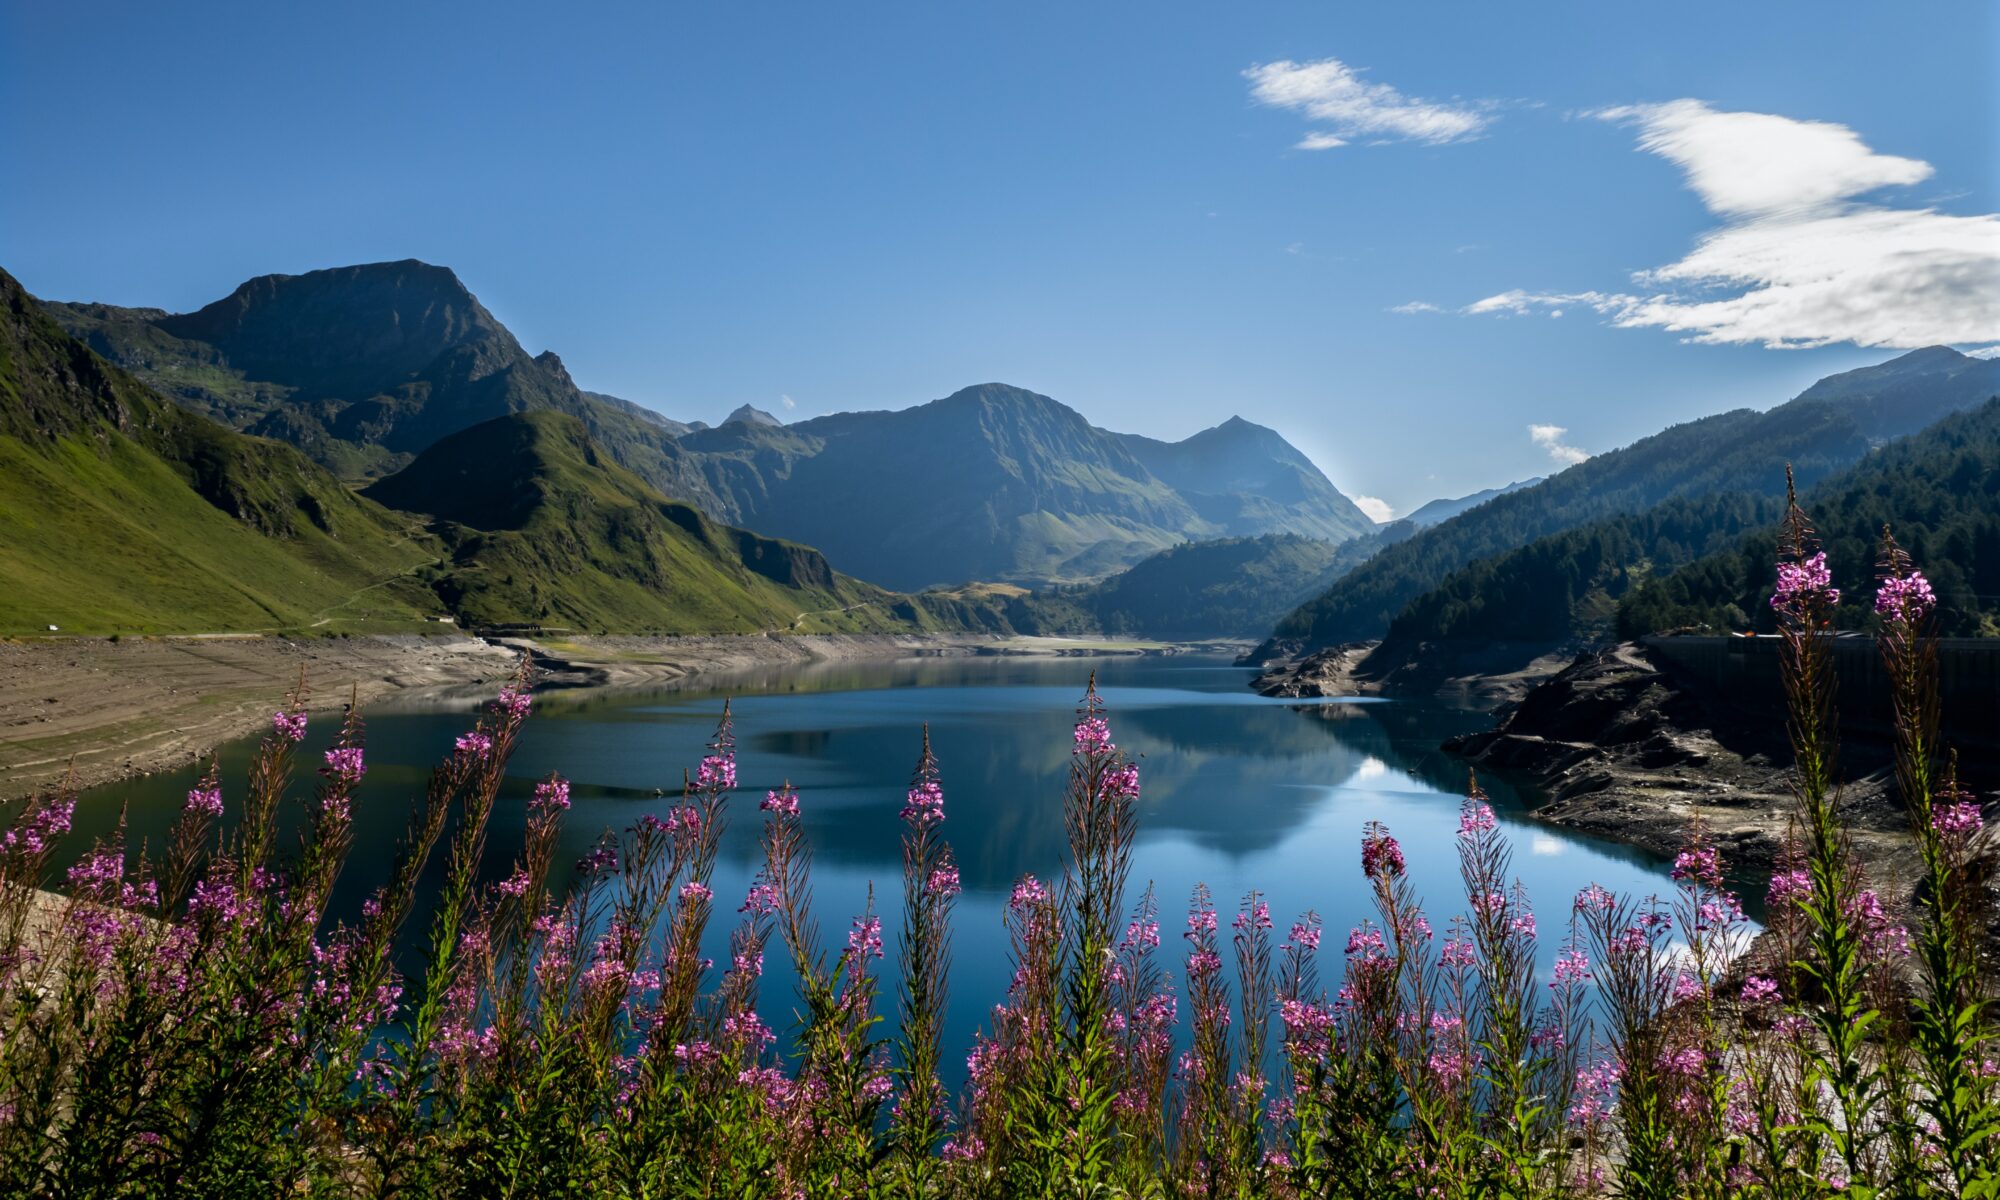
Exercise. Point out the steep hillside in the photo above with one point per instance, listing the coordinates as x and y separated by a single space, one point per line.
122 512
1939 490
362 367
1741 451
1231 587
545 529
998 483
1247 480
1563 591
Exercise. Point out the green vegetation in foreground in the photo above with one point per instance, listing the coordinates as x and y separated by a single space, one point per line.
121 512
544 528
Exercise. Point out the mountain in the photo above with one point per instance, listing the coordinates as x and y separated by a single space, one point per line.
362 367
1741 451
544 528
1910 391
751 416
998 483
651 417
123 512
1247 480
1443 510
1230 587
1561 592
1939 490
365 367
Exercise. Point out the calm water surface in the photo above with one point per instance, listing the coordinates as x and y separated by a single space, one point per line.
1240 791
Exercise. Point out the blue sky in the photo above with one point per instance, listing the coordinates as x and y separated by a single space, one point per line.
869 206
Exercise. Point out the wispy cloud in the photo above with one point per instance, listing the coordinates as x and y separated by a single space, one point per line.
1334 94
788 402
1798 259
1378 510
1549 438
1416 306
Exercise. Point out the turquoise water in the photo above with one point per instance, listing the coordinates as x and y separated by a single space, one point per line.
1239 791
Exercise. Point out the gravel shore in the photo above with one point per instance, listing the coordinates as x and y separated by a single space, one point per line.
114 709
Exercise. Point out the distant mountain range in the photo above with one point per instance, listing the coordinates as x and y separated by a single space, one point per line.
1825 429
365 367
123 512
1002 484
1443 510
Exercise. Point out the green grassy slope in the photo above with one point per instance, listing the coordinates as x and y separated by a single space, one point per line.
544 528
122 512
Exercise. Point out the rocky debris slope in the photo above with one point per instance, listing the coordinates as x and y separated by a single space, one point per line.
1625 750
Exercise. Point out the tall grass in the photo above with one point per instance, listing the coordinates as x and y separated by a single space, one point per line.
197 1025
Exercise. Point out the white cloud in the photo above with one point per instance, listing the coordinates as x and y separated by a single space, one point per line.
788 402
1798 259
1330 91
1549 438
1416 306
1378 510
1986 352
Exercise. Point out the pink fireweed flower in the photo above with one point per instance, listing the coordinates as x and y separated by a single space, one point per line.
1906 598
943 881
1476 818
1027 893
1702 865
1304 934
693 891
1093 736
1381 856
1959 819
515 885
38 829
474 744
1789 887
784 802
344 764
289 726
1258 917
1141 934
717 772
551 796
1457 952
1572 966
762 900
204 801
1122 782
512 702
1804 586
1595 898
1596 1089
1365 940
924 804
1759 990
601 858
864 940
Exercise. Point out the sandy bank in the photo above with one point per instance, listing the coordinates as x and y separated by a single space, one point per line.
140 705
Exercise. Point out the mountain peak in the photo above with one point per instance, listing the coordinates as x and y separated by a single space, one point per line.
751 415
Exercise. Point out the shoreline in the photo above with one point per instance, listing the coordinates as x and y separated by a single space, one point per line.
139 705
